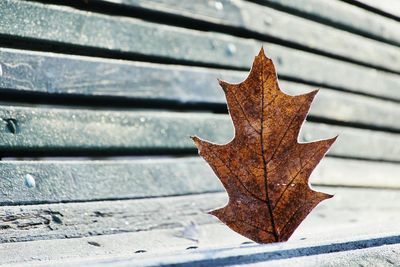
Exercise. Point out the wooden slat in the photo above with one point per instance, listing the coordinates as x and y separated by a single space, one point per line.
365 252
385 255
391 7
355 143
118 250
50 221
346 172
349 211
96 180
284 26
76 250
55 221
344 15
109 132
115 179
65 25
83 76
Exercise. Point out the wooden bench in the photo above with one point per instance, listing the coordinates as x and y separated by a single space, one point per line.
99 98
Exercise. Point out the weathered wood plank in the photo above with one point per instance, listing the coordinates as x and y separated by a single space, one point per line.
83 76
390 7
65 25
97 180
352 253
160 245
351 17
375 145
385 255
77 250
60 251
63 131
55 221
347 172
115 179
284 26
356 211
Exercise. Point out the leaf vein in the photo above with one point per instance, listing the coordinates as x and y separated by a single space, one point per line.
255 226
236 177
244 114
294 177
286 131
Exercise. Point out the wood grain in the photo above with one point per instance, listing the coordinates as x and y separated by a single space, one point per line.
163 246
103 179
283 26
59 221
89 180
351 17
357 211
159 245
74 131
379 252
59 75
62 25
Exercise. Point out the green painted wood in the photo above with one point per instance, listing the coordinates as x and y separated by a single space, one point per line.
66 25
83 76
351 17
62 130
85 180
269 22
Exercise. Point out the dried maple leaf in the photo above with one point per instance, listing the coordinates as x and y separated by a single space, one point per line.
264 169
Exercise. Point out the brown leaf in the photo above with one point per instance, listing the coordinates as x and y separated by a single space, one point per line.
264 169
